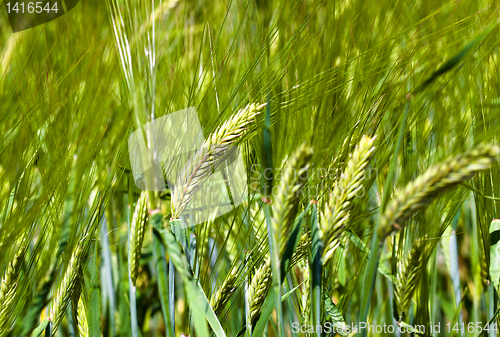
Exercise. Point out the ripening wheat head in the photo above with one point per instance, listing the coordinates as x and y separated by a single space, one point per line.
436 180
262 280
209 154
287 199
136 235
226 290
336 212
83 324
408 276
67 286
8 286
258 289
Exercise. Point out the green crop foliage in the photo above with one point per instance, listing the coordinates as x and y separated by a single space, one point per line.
368 131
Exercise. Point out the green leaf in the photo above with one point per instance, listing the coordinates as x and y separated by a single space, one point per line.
316 266
453 61
40 328
198 302
291 244
161 268
335 315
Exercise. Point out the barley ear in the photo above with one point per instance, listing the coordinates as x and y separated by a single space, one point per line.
222 296
136 235
83 324
262 280
436 180
287 199
8 286
209 155
336 212
408 275
306 295
66 288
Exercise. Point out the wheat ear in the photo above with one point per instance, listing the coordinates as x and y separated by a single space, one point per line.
337 210
306 295
226 290
83 324
136 235
287 198
262 280
8 287
66 288
408 276
258 289
209 154
436 180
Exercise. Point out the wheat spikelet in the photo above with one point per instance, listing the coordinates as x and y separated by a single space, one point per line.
83 325
262 280
337 210
208 156
258 289
66 288
226 290
408 276
427 186
287 198
8 287
306 295
136 235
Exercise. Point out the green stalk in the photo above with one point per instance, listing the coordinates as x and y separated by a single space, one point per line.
94 300
275 267
491 306
316 266
161 271
131 287
454 273
376 246
171 295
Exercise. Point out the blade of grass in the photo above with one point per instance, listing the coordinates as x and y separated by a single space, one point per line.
156 221
197 300
316 267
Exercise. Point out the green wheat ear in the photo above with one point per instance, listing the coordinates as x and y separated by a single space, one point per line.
262 280
436 180
136 235
286 203
210 153
66 288
8 287
408 275
226 290
258 289
336 212
83 324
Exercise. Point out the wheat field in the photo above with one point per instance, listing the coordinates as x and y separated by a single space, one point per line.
355 143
